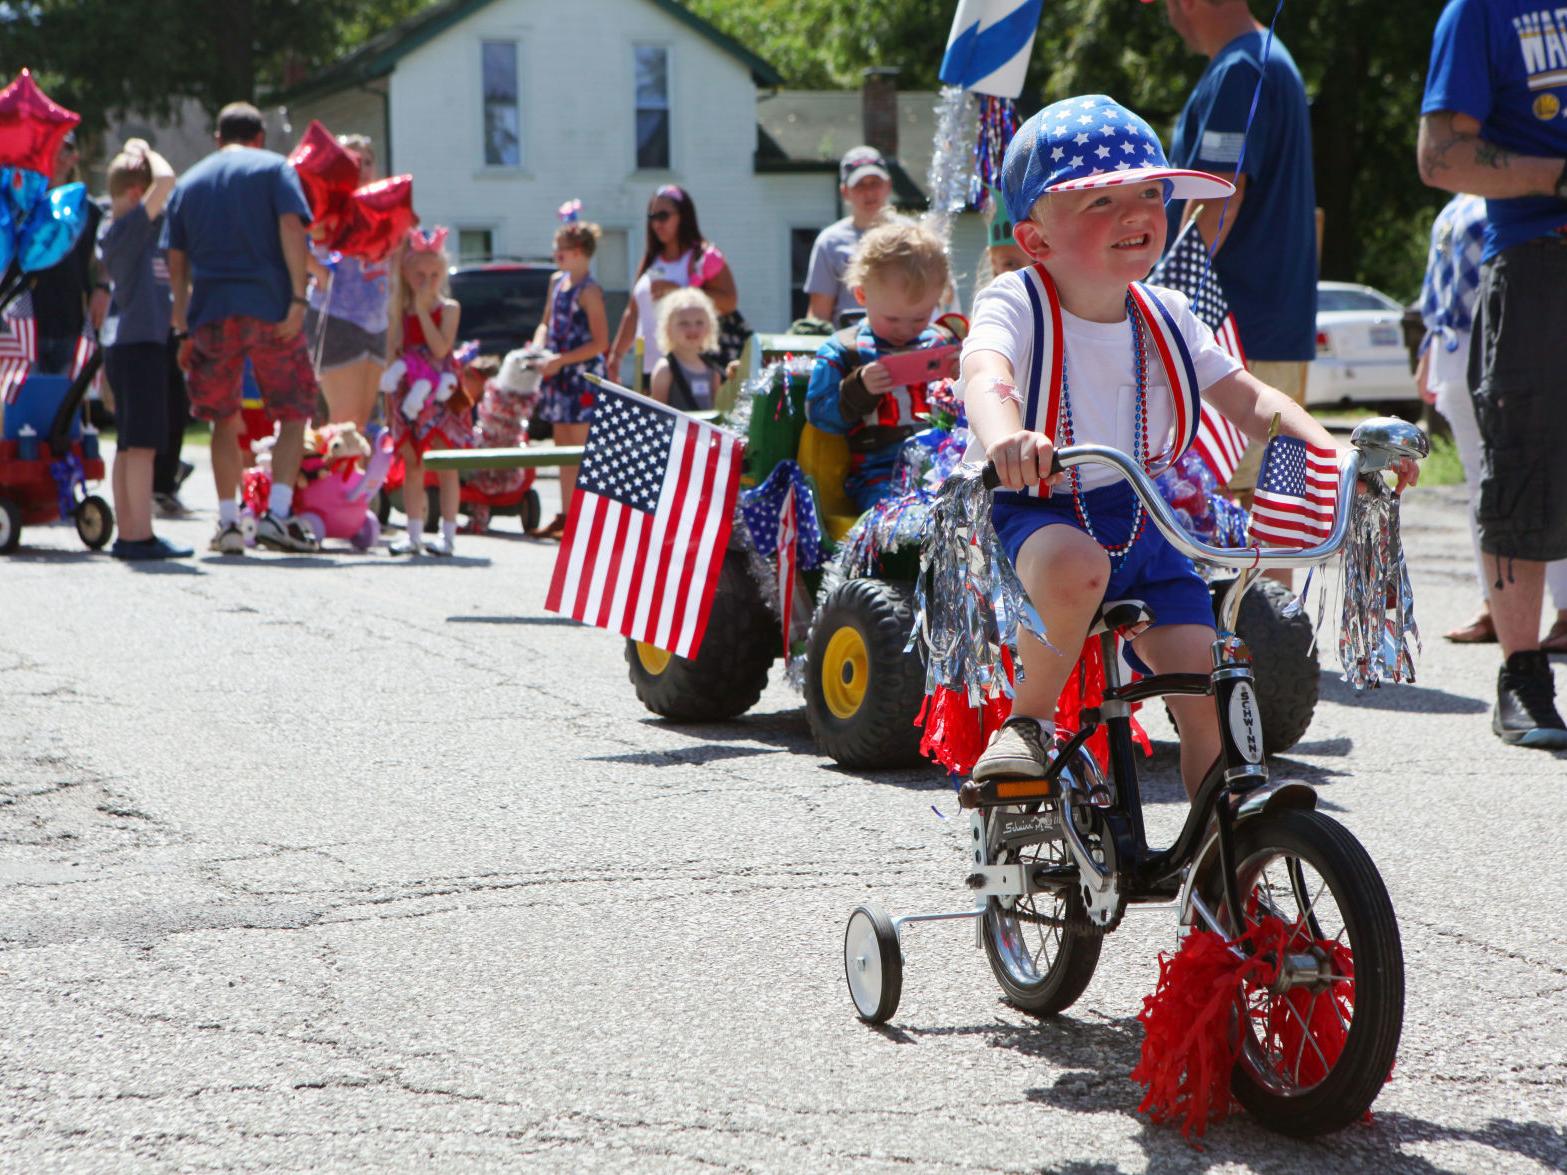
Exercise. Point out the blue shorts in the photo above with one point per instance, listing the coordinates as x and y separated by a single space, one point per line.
1152 571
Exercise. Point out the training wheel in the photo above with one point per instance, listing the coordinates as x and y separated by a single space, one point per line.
873 964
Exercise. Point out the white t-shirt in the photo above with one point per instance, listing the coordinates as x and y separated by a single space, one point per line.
677 272
1099 368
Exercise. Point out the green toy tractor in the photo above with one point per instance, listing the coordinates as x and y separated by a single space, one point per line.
863 691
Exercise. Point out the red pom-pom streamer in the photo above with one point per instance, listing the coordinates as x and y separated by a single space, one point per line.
1190 1038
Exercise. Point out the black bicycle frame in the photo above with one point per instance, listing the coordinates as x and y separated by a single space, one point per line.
1239 769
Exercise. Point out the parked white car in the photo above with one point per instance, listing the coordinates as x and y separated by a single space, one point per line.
1360 348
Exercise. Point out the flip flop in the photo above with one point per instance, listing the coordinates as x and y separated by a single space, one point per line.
1479 631
1556 640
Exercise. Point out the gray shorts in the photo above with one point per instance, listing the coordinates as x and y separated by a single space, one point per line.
343 342
1518 381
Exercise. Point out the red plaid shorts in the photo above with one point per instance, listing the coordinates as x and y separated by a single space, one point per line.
217 366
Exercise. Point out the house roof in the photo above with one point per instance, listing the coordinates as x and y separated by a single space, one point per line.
809 130
379 55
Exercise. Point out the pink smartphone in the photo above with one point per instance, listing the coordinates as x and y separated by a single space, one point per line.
918 367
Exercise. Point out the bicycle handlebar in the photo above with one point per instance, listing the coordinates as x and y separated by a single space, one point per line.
1163 514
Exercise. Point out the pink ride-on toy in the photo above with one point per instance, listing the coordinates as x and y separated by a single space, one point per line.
338 503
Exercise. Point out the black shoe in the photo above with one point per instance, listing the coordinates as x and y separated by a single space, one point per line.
136 550
183 471
1525 714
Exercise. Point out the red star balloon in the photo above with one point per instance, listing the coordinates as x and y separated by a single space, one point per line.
31 126
382 213
328 174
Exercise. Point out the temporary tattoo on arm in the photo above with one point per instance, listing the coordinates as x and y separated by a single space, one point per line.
1490 155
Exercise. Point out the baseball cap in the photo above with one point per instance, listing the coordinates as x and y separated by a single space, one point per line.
859 162
1092 141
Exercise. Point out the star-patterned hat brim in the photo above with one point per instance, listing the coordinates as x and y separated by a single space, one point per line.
1184 184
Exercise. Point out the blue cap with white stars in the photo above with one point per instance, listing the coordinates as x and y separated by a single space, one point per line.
1092 142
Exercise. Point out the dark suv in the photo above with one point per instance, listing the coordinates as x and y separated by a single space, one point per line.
502 302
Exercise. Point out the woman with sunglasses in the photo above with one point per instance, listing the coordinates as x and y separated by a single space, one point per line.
676 256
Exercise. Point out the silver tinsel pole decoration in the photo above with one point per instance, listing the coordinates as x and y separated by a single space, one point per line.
969 602
1377 629
951 157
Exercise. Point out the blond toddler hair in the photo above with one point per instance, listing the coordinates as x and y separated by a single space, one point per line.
904 253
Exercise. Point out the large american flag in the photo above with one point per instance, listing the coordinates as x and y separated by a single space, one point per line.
1188 268
18 345
1297 491
649 524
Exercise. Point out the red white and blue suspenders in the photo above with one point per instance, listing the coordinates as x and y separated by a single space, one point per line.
1042 409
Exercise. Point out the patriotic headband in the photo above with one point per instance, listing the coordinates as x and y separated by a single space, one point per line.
1092 142
432 242
670 192
570 212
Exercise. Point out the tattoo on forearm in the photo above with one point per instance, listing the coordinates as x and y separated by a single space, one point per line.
1490 155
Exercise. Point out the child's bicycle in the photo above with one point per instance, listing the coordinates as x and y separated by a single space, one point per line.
1054 863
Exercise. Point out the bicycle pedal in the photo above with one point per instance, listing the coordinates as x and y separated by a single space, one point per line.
994 792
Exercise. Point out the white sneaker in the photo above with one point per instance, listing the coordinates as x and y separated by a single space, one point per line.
228 540
438 544
286 534
407 545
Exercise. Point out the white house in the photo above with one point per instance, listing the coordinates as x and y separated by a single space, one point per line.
504 109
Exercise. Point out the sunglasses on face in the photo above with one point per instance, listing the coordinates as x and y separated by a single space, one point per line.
659 217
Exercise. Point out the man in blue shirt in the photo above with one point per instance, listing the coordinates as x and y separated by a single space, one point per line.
1491 124
1267 244
236 246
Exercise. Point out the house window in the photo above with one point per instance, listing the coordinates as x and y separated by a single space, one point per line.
475 244
652 107
800 242
502 124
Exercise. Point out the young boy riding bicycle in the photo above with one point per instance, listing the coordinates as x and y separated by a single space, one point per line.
1076 350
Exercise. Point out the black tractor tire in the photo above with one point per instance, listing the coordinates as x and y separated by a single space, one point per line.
865 718
1283 662
10 526
729 671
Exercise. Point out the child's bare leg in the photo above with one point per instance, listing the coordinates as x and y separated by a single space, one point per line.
569 434
413 487
451 494
1185 648
1065 573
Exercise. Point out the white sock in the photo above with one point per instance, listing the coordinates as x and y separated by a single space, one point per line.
281 503
449 530
228 512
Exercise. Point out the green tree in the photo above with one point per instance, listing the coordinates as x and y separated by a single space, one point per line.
1363 62
103 56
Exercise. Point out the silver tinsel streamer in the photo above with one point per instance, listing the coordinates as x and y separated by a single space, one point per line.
952 156
969 602
1378 626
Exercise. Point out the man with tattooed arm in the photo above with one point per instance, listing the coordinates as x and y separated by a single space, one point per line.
1494 123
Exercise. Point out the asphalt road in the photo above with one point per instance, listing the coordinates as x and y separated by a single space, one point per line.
349 863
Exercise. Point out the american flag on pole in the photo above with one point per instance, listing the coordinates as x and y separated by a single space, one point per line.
18 345
648 527
86 344
1188 269
788 532
1297 491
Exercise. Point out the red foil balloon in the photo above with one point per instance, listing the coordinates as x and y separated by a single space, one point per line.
379 218
31 126
329 175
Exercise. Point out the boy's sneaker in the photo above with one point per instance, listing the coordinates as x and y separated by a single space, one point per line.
438 544
229 539
1017 752
1525 714
407 545
286 534
136 550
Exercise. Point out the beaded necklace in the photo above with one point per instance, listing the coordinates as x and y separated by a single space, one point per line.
1139 437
